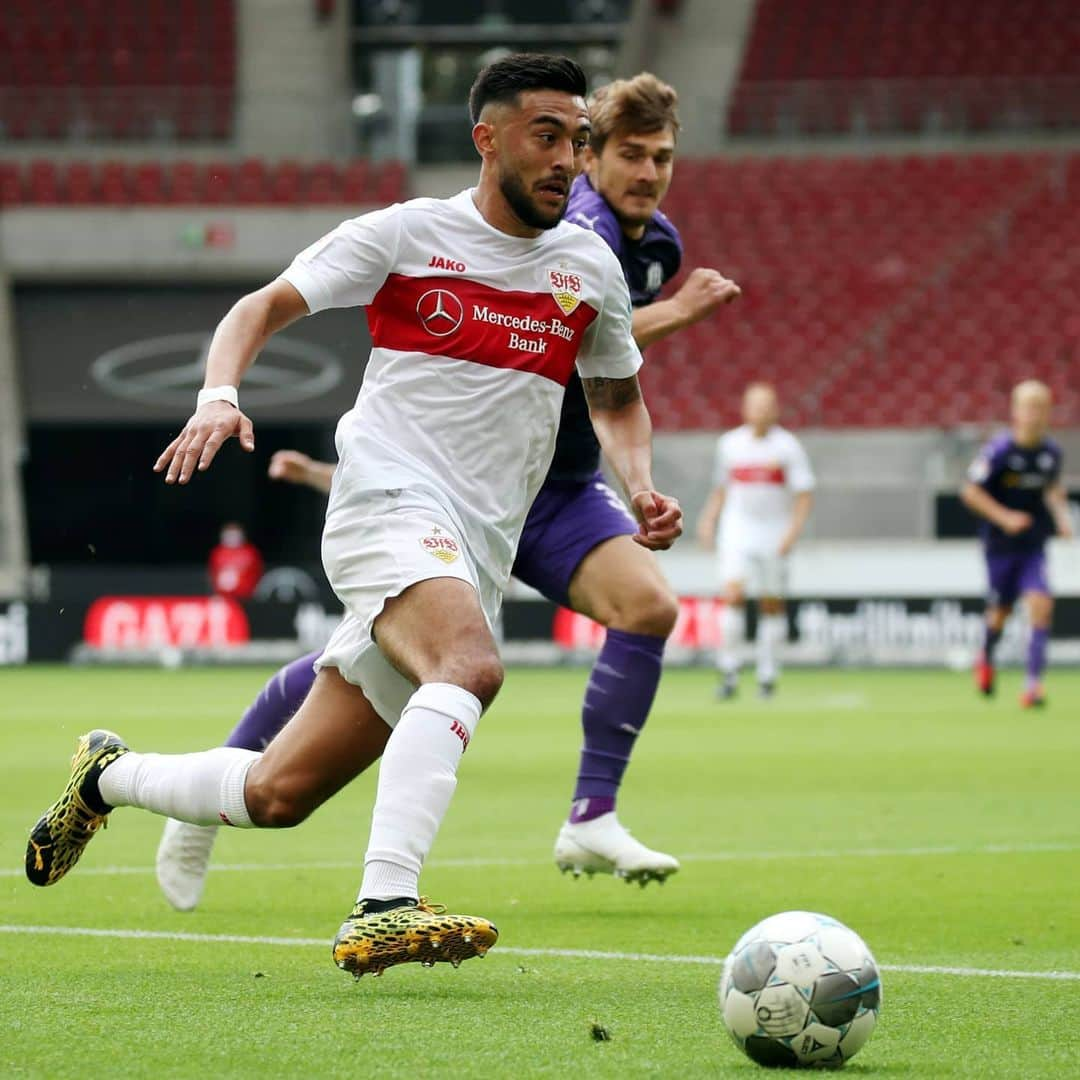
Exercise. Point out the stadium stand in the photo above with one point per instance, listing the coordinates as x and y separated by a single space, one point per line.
252 182
117 69
909 65
877 291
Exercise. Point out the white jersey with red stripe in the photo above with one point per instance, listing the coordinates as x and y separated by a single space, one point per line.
761 475
475 334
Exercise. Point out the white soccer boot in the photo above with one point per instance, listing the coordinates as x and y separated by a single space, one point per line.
183 860
603 846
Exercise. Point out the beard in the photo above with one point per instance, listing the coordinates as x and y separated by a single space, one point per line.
527 212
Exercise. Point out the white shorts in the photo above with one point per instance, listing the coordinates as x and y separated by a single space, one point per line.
760 573
375 545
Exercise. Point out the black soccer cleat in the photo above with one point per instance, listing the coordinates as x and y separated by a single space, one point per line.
63 831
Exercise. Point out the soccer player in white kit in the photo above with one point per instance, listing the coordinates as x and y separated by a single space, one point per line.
762 498
480 306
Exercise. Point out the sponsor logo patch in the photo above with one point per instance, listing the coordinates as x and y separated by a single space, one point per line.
566 288
440 312
444 548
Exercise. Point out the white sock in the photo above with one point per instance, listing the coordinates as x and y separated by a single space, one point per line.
772 630
417 778
733 631
202 789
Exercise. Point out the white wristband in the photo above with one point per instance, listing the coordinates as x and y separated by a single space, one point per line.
217 393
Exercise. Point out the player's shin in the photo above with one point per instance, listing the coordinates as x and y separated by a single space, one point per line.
733 635
1038 639
417 778
620 694
203 789
772 629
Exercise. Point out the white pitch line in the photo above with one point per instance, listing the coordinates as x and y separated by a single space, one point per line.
511 950
716 856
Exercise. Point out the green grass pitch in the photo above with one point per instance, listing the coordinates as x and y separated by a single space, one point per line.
944 828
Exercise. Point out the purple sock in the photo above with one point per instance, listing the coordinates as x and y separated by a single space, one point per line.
1036 656
990 640
274 707
617 701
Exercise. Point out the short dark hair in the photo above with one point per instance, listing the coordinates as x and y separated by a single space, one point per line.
504 79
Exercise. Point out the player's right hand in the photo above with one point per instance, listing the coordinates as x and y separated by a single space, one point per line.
703 292
1015 522
203 435
706 536
291 466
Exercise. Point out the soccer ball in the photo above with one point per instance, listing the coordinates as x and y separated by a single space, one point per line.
800 989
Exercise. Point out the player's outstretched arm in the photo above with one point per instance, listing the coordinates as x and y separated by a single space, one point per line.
296 468
700 295
250 323
801 506
710 515
624 429
979 501
1057 502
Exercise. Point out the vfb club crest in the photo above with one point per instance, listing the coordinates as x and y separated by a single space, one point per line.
444 548
566 288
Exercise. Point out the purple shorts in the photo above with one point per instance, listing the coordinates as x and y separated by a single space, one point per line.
563 526
1013 573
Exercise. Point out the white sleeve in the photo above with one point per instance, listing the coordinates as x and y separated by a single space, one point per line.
800 474
608 350
348 266
720 470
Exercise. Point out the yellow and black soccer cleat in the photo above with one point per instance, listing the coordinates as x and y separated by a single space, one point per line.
57 840
372 941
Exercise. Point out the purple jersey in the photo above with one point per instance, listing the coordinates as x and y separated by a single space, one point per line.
647 264
1017 477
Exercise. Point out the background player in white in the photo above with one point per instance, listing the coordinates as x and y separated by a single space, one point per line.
449 440
762 498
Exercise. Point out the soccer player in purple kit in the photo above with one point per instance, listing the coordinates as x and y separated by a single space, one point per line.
578 547
1014 486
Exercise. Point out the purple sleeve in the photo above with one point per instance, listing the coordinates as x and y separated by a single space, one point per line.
988 463
1059 462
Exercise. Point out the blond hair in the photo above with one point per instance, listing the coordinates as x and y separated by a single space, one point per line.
637 106
1030 388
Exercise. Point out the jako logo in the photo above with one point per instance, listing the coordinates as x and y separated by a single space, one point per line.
439 263
459 730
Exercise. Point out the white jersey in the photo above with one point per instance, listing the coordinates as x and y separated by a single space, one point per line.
761 476
475 334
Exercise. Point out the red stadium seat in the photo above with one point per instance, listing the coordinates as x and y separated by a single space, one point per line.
114 70
900 65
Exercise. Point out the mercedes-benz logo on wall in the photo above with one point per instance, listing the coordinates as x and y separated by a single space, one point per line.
168 370
440 311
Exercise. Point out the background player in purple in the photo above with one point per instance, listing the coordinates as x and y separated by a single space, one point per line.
578 547
1014 486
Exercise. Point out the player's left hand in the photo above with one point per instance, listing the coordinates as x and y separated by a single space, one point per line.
660 520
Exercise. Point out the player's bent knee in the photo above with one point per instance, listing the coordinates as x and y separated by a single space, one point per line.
482 675
652 611
272 804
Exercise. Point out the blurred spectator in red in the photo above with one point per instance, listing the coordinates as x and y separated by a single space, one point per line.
235 563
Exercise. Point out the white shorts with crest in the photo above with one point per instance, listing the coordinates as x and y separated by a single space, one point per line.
375 545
